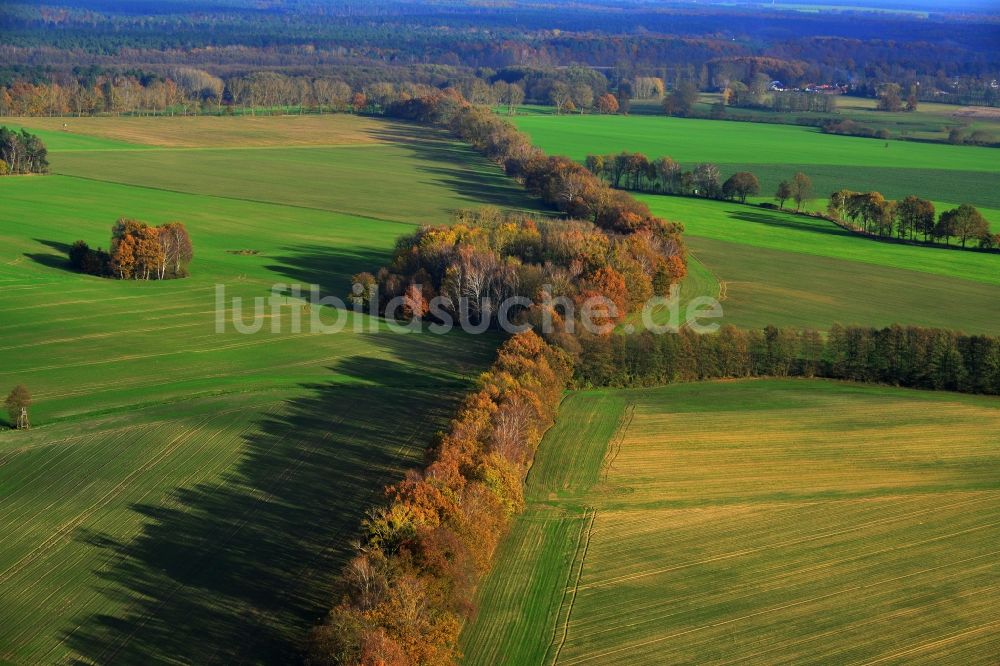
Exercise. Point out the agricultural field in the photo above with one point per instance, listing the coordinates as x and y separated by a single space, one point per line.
179 483
931 122
789 270
944 173
754 522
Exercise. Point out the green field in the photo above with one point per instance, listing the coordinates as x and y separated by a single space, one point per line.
789 270
187 495
753 522
954 174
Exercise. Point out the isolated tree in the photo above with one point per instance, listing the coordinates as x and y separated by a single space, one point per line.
17 403
889 97
741 185
802 190
783 193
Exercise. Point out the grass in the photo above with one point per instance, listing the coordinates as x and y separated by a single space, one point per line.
753 522
391 171
61 134
787 270
187 495
957 174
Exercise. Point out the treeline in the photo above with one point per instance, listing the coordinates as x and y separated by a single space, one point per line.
872 213
664 175
704 43
908 356
138 252
21 153
404 595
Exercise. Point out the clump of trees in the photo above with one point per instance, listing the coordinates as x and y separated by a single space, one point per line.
799 189
408 588
681 100
18 402
908 356
138 252
21 153
872 213
487 257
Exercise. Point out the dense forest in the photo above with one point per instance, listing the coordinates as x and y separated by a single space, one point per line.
953 56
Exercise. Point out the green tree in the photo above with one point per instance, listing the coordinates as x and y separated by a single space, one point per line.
17 403
681 101
915 216
965 223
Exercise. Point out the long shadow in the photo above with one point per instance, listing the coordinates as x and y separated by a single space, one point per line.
330 268
238 570
435 150
49 260
782 222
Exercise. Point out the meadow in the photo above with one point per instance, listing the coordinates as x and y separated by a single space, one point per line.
756 522
789 270
185 494
945 173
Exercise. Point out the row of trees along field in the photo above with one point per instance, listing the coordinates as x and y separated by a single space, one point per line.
138 252
664 175
911 217
899 356
188 90
21 152
405 594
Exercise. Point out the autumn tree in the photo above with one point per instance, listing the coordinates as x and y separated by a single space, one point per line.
607 104
802 190
741 185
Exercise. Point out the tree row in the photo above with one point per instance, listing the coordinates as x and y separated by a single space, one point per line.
908 356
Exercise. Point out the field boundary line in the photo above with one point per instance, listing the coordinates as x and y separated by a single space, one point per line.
229 198
579 556
615 447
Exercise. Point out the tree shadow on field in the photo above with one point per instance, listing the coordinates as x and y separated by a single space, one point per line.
60 261
329 268
782 222
471 177
238 570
